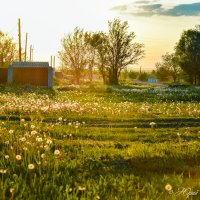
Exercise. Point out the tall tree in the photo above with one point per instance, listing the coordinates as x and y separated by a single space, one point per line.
90 41
121 50
98 41
7 50
74 52
188 52
168 67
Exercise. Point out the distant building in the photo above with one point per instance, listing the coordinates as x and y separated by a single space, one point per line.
152 80
59 75
28 73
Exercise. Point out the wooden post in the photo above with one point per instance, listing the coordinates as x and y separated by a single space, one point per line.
54 61
19 36
51 61
26 47
30 52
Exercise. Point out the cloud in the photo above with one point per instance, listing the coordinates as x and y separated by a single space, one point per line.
149 8
184 10
140 2
120 8
145 1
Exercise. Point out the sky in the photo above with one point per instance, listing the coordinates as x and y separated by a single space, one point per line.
158 24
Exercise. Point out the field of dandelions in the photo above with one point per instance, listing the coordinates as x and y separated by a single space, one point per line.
98 142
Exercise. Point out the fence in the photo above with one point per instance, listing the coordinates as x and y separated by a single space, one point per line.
3 75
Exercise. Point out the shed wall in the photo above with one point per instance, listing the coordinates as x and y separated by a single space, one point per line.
3 75
32 75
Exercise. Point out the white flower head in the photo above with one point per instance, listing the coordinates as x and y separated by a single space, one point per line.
33 132
43 155
12 190
32 126
6 157
81 188
39 139
152 123
46 147
18 157
31 166
168 187
23 139
57 152
3 171
49 141
25 148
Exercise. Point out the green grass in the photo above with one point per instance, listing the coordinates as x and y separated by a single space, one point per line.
92 143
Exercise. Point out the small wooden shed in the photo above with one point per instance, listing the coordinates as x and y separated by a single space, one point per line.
30 73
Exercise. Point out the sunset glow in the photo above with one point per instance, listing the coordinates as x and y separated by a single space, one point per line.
157 24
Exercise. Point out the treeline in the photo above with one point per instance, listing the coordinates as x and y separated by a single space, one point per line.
184 62
109 54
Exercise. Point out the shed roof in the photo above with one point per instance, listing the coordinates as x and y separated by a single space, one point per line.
30 64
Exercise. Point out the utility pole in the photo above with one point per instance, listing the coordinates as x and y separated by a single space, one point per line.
51 61
30 53
19 36
26 46
54 61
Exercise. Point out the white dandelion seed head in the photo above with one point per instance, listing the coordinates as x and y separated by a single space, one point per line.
33 132
32 126
46 147
57 152
49 141
168 187
81 188
3 171
18 157
43 155
12 190
39 139
11 131
31 166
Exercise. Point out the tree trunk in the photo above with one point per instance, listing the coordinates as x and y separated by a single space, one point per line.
174 79
195 79
77 77
90 74
113 77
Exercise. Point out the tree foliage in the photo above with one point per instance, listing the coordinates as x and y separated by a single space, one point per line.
74 53
188 52
99 42
7 50
121 50
111 52
168 68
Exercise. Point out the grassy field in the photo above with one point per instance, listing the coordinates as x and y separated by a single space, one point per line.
99 142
